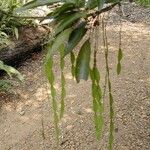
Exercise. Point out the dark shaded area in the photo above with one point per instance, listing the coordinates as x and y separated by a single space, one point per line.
30 41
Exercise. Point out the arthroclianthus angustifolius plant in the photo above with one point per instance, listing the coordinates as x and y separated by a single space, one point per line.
72 21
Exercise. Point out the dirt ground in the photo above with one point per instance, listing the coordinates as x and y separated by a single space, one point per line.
26 120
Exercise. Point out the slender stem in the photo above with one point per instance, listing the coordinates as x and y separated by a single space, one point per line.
111 113
96 13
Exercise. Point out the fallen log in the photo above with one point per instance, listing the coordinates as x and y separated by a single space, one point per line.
30 40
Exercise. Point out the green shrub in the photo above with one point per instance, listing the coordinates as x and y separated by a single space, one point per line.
143 2
12 72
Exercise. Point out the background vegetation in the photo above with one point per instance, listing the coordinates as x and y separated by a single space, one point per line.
74 20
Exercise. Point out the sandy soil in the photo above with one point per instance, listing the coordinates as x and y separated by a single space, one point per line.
26 121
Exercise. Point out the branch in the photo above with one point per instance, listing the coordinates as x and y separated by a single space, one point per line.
94 14
103 10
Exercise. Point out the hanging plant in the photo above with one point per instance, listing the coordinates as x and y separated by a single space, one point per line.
72 19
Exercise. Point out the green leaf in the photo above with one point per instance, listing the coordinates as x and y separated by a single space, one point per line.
72 56
11 71
48 70
92 75
51 79
62 16
75 37
83 61
67 21
63 94
36 3
59 40
120 54
96 74
97 95
97 108
118 68
111 130
65 7
63 82
99 122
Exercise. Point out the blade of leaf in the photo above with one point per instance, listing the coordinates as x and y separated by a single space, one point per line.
11 71
111 130
83 61
63 82
36 3
96 74
73 59
65 7
120 56
67 21
118 68
59 40
51 78
75 37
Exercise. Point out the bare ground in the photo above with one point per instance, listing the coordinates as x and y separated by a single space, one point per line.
23 112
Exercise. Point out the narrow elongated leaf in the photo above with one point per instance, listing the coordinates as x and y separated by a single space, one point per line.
83 61
96 74
63 94
97 101
51 79
111 128
60 39
11 71
36 3
48 65
67 21
63 82
75 37
65 7
62 16
120 55
72 56
118 68
99 122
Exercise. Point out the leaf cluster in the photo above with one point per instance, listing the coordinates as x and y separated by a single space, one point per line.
8 23
72 19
